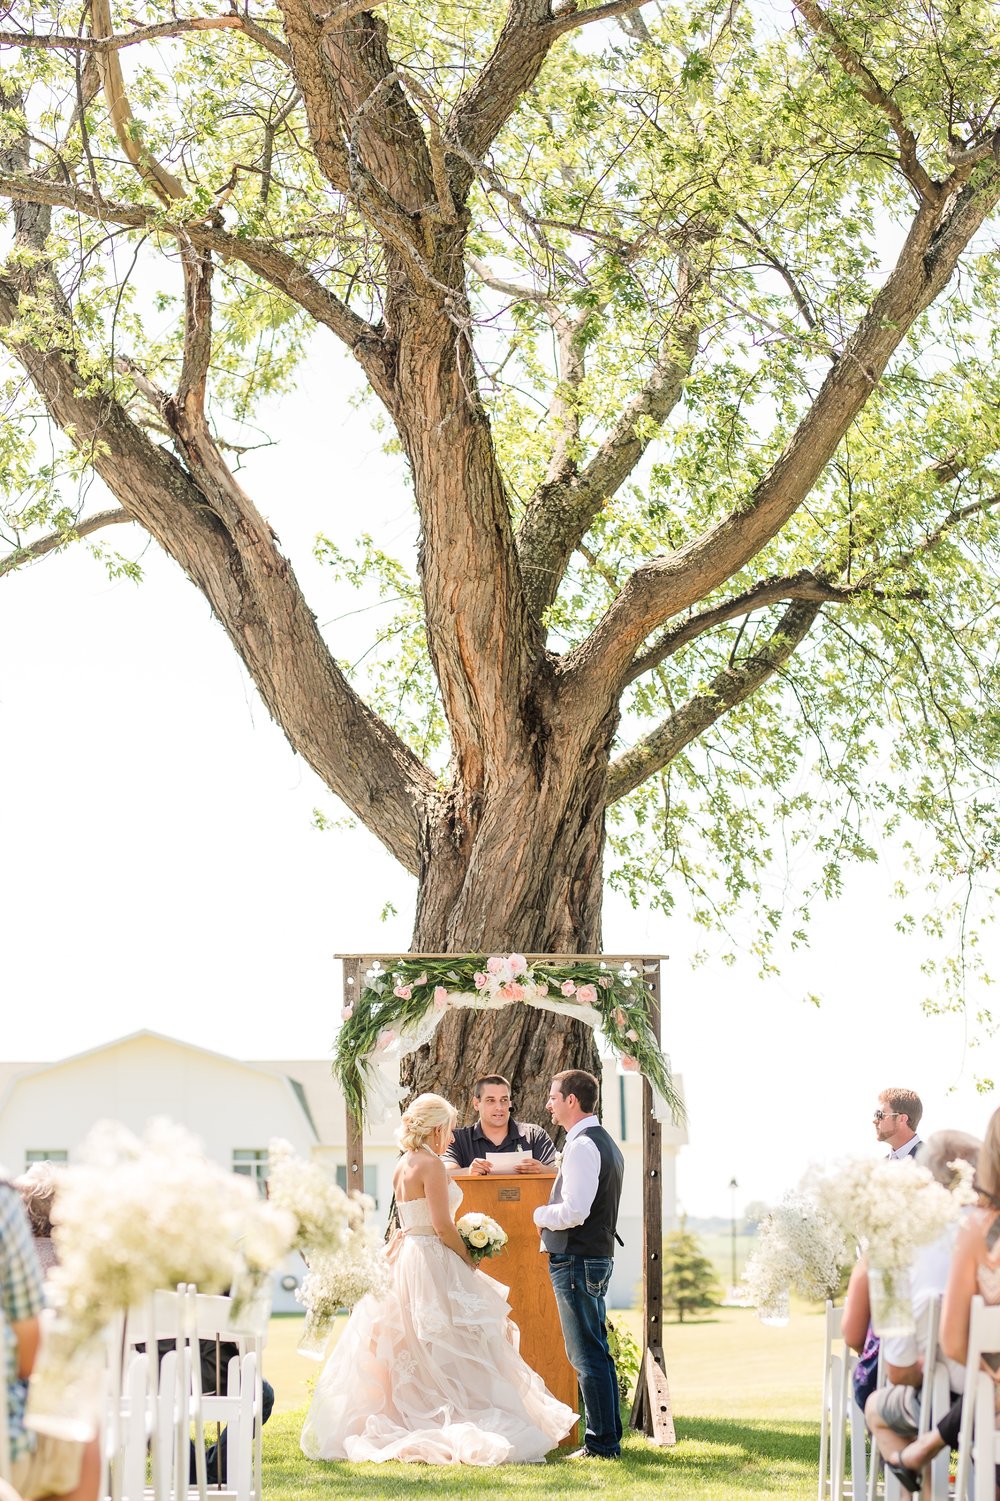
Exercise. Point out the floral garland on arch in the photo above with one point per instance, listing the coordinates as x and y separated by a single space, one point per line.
400 1008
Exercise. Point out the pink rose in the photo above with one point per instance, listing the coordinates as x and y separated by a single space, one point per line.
495 964
518 964
384 1038
568 988
420 980
481 981
620 1017
541 990
440 998
347 1013
587 995
604 981
629 1064
506 992
515 991
403 991
632 1035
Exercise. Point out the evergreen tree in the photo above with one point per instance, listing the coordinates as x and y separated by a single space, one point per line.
689 1279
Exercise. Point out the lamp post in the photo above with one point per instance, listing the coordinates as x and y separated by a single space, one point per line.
733 1186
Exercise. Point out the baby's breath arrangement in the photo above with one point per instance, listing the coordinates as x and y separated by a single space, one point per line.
888 1210
798 1248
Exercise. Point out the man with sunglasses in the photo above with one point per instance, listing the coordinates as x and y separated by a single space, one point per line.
896 1121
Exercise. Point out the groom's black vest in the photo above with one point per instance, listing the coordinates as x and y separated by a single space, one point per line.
596 1236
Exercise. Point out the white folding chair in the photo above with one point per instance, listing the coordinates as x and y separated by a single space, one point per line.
875 1460
935 1400
836 1395
240 1409
978 1437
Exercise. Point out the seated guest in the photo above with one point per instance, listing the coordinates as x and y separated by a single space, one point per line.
495 1131
893 1411
40 1465
37 1188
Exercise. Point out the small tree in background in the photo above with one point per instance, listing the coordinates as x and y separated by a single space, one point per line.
689 1279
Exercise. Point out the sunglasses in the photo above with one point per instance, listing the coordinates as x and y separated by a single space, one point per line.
881 1115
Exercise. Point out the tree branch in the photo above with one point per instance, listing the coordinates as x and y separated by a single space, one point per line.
163 182
561 510
727 689
483 109
572 18
806 586
874 94
235 562
56 41
55 540
666 586
274 266
353 95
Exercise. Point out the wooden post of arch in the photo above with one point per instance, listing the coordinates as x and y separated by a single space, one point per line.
651 1411
354 972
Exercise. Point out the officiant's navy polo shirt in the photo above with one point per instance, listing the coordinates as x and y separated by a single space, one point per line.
472 1142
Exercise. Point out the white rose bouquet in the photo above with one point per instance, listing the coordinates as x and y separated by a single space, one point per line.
483 1237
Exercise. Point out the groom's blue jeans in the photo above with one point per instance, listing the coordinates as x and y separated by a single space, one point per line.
580 1284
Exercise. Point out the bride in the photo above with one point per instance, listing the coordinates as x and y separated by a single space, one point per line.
430 1371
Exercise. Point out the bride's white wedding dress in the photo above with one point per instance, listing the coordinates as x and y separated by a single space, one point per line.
430 1372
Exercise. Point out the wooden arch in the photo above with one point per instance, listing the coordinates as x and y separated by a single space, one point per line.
651 1411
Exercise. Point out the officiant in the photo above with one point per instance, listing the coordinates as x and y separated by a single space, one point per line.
495 1130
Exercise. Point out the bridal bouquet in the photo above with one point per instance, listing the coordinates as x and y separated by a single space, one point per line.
798 1247
483 1237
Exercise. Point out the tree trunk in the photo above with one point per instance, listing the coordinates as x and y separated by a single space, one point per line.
522 874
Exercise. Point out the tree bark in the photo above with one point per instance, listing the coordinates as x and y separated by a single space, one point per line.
522 872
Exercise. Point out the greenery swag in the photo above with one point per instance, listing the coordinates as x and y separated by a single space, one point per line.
399 1007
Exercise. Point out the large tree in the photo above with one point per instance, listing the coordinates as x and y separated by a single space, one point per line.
683 320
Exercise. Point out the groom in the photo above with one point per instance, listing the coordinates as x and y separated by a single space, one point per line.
578 1232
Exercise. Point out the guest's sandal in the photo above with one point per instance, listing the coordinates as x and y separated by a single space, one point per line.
910 1480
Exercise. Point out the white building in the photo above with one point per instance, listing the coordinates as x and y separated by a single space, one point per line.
235 1108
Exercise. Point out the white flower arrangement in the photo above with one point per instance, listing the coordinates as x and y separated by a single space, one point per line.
135 1214
483 1237
322 1214
798 1247
888 1210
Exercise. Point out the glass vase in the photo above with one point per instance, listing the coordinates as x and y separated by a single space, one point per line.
65 1391
252 1302
774 1310
889 1297
315 1335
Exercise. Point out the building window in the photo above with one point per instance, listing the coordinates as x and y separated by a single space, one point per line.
252 1164
51 1154
371 1180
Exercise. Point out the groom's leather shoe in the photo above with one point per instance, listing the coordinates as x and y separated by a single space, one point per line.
586 1453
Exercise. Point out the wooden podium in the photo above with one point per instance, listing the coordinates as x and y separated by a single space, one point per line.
511 1199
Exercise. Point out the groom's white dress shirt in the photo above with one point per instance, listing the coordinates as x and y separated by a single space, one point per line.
580 1172
898 1154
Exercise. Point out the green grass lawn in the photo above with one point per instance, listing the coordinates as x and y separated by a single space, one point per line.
746 1407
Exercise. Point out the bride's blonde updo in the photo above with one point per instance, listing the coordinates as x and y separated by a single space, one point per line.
421 1117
